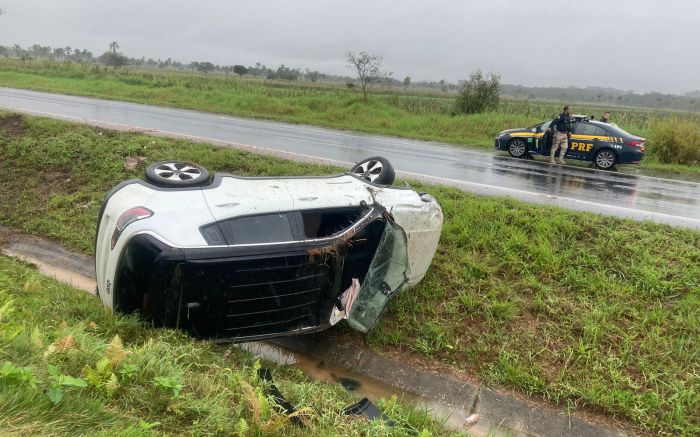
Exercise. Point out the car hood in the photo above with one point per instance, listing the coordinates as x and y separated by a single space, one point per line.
511 131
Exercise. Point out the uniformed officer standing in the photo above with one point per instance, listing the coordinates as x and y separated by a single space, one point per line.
606 117
561 130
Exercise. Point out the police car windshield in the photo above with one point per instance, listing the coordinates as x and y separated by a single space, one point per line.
540 127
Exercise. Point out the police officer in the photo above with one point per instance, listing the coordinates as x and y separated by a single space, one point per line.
606 117
561 130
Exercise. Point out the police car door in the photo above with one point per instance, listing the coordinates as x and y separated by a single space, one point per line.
544 142
583 139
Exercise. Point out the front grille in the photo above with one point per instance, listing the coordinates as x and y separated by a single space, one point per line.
254 297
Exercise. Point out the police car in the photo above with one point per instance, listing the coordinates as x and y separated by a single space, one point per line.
603 144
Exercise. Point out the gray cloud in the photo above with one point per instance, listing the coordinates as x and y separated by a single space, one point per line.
644 46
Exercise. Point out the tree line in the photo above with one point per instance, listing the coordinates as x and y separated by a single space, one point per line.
476 93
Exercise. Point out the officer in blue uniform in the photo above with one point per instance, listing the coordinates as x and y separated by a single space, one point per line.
561 131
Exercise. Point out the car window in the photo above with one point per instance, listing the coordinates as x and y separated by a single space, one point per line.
386 276
617 132
268 228
599 131
583 128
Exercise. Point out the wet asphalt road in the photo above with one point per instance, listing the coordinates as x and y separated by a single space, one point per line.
663 200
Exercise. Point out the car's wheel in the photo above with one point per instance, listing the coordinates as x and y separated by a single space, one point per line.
377 170
176 174
517 148
605 159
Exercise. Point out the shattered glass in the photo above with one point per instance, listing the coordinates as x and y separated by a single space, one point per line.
386 276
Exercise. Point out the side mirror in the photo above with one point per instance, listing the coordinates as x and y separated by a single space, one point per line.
534 129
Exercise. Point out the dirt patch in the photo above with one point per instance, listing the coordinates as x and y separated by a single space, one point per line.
7 235
52 181
133 162
12 125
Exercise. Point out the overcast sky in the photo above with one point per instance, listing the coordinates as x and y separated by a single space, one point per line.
648 45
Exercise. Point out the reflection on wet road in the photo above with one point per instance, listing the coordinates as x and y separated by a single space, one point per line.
670 201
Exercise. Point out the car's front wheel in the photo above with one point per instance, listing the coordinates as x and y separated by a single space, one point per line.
180 174
605 159
377 170
517 148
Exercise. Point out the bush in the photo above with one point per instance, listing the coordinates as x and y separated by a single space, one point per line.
676 140
479 94
113 59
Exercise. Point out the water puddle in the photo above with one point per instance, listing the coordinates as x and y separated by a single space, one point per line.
453 417
60 274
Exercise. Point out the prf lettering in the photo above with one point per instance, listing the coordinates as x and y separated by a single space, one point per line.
581 147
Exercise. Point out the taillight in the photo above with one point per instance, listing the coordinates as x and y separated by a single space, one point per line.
639 144
127 218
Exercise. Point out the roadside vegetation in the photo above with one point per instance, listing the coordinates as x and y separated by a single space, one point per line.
69 367
579 309
428 117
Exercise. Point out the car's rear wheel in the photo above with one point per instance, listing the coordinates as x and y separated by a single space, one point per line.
176 174
377 170
605 159
517 148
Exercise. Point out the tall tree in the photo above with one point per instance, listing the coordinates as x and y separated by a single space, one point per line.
240 70
368 69
113 46
406 82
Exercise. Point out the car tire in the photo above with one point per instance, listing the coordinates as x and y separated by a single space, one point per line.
605 159
176 174
517 148
376 170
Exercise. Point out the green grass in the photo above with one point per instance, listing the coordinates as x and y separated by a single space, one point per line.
388 112
68 366
579 309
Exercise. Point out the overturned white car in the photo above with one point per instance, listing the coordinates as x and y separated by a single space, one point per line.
243 258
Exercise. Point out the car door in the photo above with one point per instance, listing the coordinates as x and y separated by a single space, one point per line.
544 143
585 136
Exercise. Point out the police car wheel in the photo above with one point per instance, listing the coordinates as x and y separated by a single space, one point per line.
180 174
605 159
517 148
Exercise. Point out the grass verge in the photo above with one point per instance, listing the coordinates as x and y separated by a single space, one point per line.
576 308
388 113
68 366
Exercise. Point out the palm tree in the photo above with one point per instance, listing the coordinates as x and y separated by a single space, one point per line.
68 50
113 46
